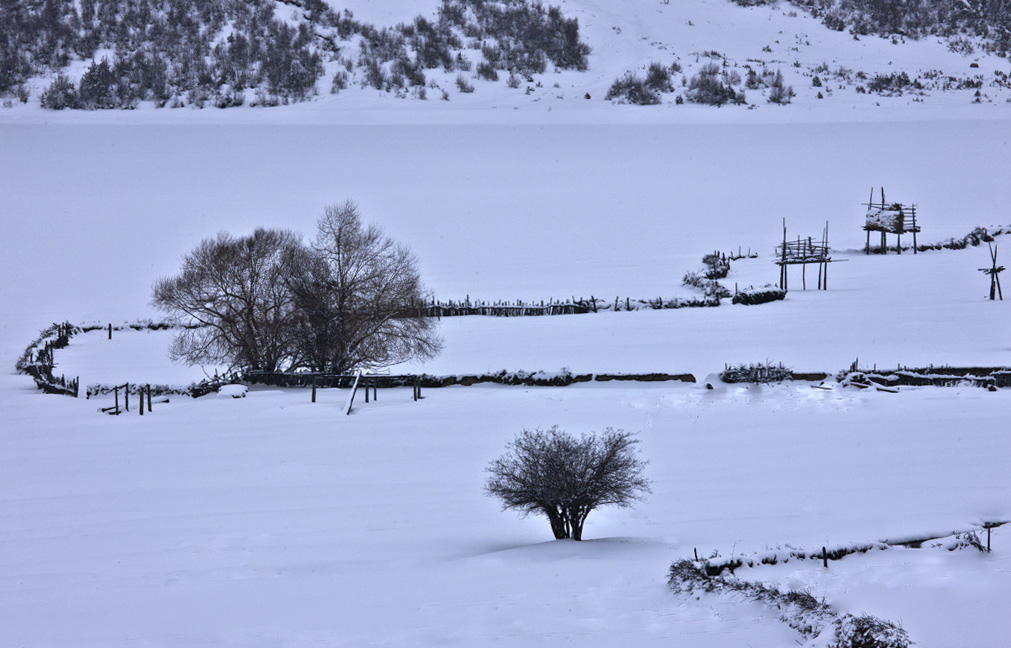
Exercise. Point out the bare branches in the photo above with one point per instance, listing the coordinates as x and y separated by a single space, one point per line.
371 292
351 299
564 478
233 287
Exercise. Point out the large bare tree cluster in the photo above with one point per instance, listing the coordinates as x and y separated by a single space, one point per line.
349 299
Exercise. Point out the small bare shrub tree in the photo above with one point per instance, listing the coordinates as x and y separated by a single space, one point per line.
564 478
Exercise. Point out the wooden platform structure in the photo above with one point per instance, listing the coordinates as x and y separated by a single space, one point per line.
802 252
889 218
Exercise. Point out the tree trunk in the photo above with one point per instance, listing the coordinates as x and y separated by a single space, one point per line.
558 526
578 518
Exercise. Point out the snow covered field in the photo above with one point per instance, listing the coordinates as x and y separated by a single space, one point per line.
270 521
496 212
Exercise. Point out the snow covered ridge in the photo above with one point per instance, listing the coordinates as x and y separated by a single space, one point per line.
988 377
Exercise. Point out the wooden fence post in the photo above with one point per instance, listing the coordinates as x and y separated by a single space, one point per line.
314 391
126 396
115 392
824 557
354 390
149 398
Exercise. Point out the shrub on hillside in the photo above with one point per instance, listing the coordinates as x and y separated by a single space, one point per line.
463 85
893 84
779 92
708 87
658 78
60 94
97 88
632 89
485 70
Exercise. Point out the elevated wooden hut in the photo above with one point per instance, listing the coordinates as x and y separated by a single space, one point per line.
889 218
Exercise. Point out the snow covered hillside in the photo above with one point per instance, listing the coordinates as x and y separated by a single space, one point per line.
829 74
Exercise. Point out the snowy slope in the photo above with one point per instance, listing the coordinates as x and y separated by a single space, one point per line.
625 36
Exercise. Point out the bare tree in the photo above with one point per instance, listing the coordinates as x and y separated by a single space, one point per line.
233 288
359 297
564 478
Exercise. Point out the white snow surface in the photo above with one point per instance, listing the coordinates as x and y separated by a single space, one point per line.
271 521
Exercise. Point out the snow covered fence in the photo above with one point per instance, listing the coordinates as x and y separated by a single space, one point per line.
988 377
977 236
574 306
37 360
195 390
798 609
950 541
527 378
